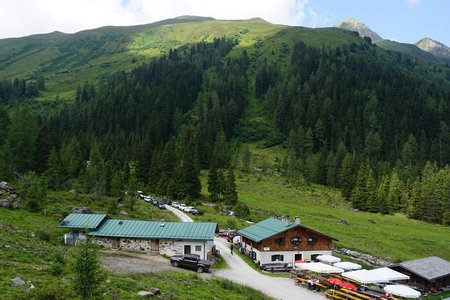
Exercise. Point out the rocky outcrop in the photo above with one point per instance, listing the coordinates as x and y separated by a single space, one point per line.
80 210
360 27
366 258
8 196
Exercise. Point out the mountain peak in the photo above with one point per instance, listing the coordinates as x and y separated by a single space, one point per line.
358 26
434 47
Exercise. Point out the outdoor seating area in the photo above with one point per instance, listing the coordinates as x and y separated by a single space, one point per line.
379 284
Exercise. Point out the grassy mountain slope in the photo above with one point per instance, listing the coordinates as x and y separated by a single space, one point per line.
409 49
66 60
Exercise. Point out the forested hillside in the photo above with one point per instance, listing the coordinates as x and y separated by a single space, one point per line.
349 115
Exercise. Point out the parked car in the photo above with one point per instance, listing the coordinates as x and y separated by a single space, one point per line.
175 204
196 211
161 205
188 208
182 206
191 261
167 200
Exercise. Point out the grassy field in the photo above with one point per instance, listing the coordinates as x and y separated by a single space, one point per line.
29 243
390 237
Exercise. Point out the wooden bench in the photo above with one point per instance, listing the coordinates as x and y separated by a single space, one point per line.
357 294
345 295
332 295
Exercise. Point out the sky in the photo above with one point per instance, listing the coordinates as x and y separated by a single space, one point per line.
400 20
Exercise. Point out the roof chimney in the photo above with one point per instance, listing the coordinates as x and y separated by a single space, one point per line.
286 221
297 220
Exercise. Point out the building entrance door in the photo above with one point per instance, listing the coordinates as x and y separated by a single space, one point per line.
154 245
298 256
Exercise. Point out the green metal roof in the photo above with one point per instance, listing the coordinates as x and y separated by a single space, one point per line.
82 221
156 230
270 227
264 229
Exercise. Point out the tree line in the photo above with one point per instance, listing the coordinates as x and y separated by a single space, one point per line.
356 119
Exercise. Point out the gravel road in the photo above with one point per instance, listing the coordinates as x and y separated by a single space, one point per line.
238 271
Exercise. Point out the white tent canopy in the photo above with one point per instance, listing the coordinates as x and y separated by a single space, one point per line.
348 266
328 258
402 291
375 276
319 268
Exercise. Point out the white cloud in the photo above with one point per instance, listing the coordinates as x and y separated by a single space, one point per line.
25 17
413 2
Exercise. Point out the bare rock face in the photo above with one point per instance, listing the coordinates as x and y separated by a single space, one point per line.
360 27
80 210
10 197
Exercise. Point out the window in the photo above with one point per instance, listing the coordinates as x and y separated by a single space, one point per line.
279 241
198 248
312 240
277 257
314 256
296 240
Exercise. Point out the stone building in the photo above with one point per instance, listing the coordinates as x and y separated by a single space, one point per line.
274 240
168 238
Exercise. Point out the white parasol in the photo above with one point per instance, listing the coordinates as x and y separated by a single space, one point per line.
348 266
402 291
328 258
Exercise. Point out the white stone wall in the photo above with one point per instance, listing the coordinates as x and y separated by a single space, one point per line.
166 247
176 247
265 257
288 256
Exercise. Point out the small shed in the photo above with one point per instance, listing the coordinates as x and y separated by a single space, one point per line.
429 273
80 225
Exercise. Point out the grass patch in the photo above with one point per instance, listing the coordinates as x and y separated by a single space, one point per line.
220 263
439 296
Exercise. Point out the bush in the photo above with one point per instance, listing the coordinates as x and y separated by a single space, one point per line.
43 236
50 292
56 268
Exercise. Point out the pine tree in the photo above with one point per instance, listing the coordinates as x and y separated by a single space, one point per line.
359 192
395 193
88 275
345 176
54 172
371 204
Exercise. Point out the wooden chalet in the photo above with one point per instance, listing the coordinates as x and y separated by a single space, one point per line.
274 240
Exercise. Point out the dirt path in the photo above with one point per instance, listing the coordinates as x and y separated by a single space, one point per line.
238 271
130 262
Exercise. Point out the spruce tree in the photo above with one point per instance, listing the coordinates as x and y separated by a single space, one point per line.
54 172
345 176
88 275
359 193
395 193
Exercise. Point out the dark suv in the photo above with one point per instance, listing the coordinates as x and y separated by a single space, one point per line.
191 261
